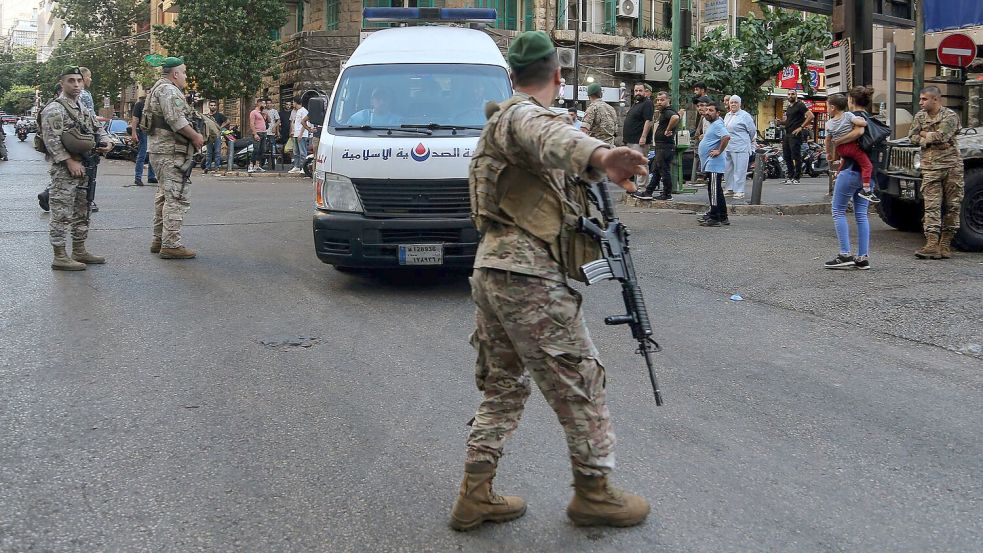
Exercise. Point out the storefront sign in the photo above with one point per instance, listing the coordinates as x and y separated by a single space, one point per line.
658 65
789 78
715 10
816 106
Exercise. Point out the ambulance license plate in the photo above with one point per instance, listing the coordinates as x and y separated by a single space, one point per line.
421 254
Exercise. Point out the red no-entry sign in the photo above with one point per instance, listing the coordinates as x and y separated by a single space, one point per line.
957 50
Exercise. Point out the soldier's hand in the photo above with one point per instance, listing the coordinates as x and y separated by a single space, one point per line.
621 164
75 168
197 141
104 148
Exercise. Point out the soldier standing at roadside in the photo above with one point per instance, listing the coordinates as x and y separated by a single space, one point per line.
167 119
66 126
529 320
934 129
600 119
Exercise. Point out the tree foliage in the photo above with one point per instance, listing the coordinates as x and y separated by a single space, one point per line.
104 41
18 99
17 68
743 65
228 45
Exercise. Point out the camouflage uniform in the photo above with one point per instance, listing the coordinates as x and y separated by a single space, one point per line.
529 321
601 121
168 110
68 204
941 167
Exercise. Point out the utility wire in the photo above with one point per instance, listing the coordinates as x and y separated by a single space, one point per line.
108 44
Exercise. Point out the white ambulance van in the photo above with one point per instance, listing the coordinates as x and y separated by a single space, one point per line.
391 180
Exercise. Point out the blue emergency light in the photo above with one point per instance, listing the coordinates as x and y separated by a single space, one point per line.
443 15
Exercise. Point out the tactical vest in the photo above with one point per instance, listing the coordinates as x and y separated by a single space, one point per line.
149 121
508 193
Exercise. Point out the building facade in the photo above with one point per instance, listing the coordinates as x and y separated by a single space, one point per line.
52 30
23 34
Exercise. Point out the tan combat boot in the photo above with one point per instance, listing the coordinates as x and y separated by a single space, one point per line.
155 246
945 244
179 252
62 262
477 502
597 503
80 254
931 248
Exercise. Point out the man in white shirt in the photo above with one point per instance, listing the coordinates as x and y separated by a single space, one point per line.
300 134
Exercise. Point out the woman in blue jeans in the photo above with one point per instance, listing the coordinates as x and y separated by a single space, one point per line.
847 187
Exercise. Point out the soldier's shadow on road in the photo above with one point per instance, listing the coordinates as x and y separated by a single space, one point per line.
442 280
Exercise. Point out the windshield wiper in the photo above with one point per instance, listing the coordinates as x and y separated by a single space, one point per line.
389 130
433 125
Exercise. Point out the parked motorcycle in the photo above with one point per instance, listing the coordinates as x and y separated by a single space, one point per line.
775 164
814 160
22 133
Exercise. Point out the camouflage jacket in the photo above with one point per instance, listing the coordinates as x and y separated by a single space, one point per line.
56 119
601 121
939 148
542 142
169 112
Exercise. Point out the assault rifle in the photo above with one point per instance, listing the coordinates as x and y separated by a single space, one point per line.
616 264
194 157
91 162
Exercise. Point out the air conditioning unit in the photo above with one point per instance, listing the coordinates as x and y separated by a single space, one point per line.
950 72
630 62
628 8
566 56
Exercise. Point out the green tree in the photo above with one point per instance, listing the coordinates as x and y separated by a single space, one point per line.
228 45
743 65
18 68
104 40
18 99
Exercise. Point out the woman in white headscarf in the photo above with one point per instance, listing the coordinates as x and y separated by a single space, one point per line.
740 125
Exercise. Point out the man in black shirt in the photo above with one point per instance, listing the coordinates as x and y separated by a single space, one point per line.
665 149
213 159
797 118
139 137
638 121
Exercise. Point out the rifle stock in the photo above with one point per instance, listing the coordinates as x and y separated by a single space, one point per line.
616 264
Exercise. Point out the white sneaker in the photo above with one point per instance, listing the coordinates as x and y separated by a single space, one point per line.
294 171
251 170
260 169
739 195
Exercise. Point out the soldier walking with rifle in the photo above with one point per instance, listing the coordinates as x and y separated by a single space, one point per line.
527 207
71 140
173 143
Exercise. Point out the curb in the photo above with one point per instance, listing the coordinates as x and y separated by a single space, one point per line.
737 209
276 174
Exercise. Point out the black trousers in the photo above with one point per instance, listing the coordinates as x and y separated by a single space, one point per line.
792 150
662 169
715 191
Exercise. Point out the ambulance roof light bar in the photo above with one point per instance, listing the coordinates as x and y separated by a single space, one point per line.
430 15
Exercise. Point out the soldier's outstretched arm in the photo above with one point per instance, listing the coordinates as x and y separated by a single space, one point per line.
620 165
552 143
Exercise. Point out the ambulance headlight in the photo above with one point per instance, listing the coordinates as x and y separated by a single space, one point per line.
334 192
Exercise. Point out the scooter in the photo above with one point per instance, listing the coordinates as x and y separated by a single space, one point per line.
814 161
22 133
774 165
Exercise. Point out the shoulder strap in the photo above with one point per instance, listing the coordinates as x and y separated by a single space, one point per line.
68 109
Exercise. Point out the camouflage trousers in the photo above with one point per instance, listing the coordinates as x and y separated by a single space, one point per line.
172 199
942 190
530 326
68 205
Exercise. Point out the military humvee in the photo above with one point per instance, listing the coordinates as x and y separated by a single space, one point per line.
899 185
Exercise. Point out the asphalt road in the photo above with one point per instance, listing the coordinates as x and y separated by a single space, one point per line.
254 399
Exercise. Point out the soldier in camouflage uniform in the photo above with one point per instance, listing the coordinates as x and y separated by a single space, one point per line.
68 203
600 119
167 120
934 129
529 321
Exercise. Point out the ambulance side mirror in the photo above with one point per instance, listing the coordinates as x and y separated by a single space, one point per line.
316 109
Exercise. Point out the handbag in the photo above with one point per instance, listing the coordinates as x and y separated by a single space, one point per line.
875 133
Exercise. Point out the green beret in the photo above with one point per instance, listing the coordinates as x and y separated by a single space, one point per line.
71 70
172 62
594 89
529 47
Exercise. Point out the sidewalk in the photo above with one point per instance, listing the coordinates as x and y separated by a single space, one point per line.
807 198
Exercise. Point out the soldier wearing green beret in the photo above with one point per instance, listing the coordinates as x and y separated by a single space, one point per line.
69 132
529 323
167 121
600 119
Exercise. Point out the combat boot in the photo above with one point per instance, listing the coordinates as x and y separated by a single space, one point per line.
80 254
597 503
62 262
179 252
945 245
155 246
931 248
477 502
